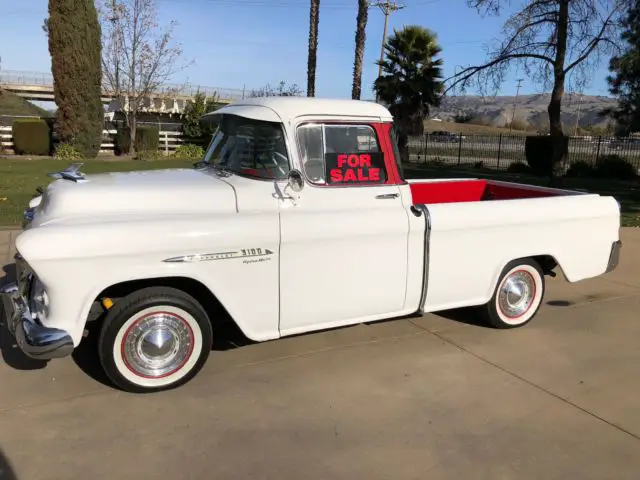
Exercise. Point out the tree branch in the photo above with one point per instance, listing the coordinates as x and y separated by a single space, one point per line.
469 72
594 43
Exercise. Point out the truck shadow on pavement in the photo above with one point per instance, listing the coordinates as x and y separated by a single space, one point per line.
6 470
11 354
468 316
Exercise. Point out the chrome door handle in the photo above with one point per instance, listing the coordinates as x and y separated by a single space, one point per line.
385 196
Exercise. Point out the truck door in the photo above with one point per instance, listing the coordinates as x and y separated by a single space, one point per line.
343 249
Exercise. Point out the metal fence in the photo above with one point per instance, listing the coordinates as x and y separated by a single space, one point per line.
500 151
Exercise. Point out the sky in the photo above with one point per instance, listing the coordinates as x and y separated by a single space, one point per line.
249 43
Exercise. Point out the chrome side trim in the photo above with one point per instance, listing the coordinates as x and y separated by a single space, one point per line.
419 210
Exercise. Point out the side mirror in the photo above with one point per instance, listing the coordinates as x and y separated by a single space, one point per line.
295 181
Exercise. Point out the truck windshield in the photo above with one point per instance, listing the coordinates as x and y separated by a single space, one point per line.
253 148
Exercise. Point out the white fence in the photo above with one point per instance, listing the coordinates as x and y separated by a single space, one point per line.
169 141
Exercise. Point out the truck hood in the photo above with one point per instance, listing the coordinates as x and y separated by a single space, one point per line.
170 191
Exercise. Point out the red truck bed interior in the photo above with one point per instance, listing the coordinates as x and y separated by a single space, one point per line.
454 191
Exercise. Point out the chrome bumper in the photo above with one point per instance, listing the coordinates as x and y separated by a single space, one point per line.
614 256
35 340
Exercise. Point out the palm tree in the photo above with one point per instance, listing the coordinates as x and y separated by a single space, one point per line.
314 20
361 22
411 79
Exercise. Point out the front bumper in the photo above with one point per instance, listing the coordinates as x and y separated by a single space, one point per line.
34 339
614 256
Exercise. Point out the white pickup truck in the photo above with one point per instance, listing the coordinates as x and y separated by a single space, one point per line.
297 219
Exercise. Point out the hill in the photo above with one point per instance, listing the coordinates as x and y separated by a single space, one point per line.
11 105
531 109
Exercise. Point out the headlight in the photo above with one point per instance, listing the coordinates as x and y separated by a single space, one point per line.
38 298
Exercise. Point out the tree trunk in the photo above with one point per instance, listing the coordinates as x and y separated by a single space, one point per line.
132 131
133 112
314 20
555 104
361 22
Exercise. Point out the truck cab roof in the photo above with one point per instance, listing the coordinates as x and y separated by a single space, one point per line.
286 109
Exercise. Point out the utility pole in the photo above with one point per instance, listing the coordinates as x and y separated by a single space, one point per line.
387 7
515 103
575 130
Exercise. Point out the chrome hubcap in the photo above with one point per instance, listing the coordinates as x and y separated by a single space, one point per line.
516 294
157 345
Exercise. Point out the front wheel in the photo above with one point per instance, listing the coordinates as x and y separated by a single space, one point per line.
518 295
154 339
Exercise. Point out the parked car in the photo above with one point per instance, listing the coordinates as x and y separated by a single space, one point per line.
444 136
297 219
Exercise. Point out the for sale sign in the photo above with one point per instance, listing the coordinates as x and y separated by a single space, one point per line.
354 167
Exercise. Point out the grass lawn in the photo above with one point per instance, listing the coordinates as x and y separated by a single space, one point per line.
19 178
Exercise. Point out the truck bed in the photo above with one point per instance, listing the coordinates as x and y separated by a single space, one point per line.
476 190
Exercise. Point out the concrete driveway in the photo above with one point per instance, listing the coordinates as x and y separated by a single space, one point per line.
429 398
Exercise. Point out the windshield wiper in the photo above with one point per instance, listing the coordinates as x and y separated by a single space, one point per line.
221 169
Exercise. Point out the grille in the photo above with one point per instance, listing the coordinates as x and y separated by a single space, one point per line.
24 276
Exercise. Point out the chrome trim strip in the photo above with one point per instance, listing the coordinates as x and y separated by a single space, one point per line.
425 271
614 256
35 340
206 257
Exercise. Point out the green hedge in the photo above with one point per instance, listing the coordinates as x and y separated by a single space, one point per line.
147 138
31 137
539 152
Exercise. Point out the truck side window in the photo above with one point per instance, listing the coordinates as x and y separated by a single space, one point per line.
341 154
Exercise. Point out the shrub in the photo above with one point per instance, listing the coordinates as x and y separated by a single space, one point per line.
149 155
581 169
539 152
614 166
519 167
435 162
31 137
147 138
64 151
122 142
189 151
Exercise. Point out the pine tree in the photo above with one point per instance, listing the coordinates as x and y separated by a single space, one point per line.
75 48
625 81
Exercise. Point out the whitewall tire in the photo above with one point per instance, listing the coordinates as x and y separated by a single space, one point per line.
154 339
518 295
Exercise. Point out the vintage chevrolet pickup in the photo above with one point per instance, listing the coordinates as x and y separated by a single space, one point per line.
297 219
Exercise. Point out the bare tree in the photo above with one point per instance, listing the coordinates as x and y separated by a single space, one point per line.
138 55
555 42
281 90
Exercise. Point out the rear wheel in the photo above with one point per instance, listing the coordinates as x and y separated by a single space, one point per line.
154 339
518 295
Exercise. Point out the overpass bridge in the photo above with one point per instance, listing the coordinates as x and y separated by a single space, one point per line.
170 98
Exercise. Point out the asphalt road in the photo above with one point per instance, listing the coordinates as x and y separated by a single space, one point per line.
437 397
